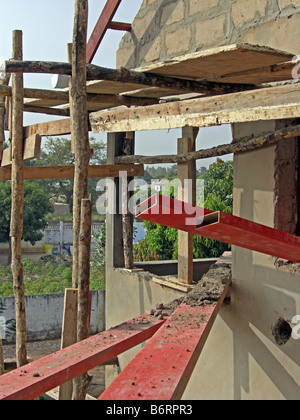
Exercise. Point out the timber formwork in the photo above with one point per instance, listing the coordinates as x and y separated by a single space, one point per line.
236 83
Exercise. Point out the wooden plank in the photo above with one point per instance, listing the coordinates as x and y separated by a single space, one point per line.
51 371
51 128
31 150
69 335
271 103
213 63
6 157
162 369
128 76
67 172
101 27
32 147
273 73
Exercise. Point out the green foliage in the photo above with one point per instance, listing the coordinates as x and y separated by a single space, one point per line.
161 242
36 206
53 276
57 152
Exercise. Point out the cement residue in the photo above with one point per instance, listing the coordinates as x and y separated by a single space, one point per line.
211 286
208 291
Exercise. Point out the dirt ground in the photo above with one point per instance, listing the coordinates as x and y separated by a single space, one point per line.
37 350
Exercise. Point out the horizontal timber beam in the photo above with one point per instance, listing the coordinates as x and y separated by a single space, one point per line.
49 128
67 172
279 102
36 378
92 98
241 146
126 76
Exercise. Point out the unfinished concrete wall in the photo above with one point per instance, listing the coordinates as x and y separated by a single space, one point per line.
164 29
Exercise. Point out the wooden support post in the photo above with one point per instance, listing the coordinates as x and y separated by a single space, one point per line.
81 383
114 241
127 215
186 193
79 123
69 335
17 195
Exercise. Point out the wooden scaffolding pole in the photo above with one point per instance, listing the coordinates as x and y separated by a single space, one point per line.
81 209
127 215
79 123
187 193
81 383
17 195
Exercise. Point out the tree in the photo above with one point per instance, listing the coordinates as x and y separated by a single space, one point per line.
57 152
161 242
37 206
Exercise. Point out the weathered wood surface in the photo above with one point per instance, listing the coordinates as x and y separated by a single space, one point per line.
127 215
186 193
270 103
67 172
244 145
17 206
127 76
79 123
69 335
81 383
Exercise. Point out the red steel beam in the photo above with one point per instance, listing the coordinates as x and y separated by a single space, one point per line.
162 369
222 227
120 26
35 379
101 27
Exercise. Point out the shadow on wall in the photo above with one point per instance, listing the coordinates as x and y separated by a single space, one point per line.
269 296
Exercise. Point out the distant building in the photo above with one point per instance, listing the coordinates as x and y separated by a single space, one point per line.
160 186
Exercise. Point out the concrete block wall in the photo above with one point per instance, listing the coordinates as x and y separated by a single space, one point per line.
164 29
44 315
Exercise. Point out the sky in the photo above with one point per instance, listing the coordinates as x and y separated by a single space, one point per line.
47 27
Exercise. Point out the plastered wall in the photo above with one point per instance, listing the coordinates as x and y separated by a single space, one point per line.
241 359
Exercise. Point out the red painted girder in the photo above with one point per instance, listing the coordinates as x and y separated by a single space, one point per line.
101 27
222 227
170 212
36 378
162 369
